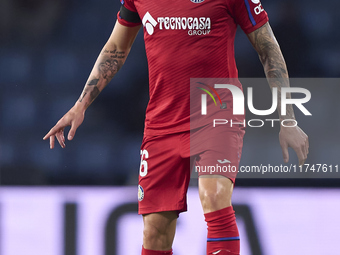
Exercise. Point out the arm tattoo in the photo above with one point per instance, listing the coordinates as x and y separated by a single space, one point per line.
94 93
93 82
82 96
108 64
273 62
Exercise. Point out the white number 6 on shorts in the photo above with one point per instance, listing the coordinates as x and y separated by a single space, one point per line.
143 171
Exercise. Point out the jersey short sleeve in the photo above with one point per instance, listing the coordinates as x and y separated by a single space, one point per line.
249 14
128 15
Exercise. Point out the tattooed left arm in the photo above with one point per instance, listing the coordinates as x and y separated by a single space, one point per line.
275 69
273 63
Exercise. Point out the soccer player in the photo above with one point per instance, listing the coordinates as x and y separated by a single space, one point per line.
199 36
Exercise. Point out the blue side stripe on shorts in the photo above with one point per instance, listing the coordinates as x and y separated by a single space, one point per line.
249 13
223 239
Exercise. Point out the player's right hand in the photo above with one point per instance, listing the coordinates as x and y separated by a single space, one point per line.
72 118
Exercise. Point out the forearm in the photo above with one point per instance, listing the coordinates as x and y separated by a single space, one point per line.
273 63
108 63
277 75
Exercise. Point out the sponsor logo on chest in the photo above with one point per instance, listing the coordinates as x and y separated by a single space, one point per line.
193 25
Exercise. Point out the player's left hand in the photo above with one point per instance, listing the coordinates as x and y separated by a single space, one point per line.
295 138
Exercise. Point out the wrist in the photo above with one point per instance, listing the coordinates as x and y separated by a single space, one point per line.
288 122
80 107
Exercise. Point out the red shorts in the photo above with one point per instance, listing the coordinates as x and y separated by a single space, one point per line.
167 161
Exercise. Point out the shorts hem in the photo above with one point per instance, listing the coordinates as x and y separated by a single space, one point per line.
151 210
220 174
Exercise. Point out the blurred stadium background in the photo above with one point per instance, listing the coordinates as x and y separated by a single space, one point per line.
47 49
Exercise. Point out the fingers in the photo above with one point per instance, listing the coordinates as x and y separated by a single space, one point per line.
58 133
301 155
53 131
72 132
296 139
71 118
302 152
306 148
52 139
285 153
60 137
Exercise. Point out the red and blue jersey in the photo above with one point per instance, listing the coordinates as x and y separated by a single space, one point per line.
187 39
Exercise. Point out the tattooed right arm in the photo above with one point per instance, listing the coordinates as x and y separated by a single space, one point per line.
109 62
107 65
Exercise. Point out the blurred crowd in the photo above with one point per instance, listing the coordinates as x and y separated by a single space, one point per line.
47 49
